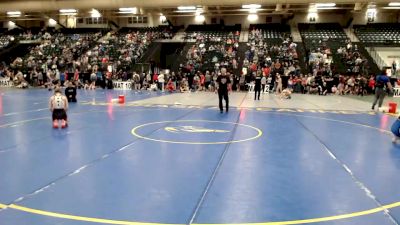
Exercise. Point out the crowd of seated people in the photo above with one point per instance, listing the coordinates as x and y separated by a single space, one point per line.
355 62
64 57
56 53
324 84
207 55
121 49
57 50
277 62
17 34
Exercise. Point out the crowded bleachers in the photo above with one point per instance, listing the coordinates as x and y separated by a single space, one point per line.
321 42
378 33
124 48
270 52
215 46
57 50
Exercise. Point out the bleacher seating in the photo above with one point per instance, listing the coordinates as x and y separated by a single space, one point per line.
321 42
211 32
271 31
57 48
216 46
322 31
378 33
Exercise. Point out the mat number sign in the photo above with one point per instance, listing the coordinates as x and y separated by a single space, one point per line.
396 92
6 82
120 85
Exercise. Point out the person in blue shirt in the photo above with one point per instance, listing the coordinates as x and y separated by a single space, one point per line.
381 86
396 130
62 78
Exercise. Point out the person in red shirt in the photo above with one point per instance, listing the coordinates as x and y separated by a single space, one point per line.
76 79
155 78
371 84
267 71
253 67
170 86
202 82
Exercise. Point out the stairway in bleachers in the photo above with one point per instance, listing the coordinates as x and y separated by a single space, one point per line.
244 36
241 55
179 36
373 67
181 56
301 53
351 35
150 52
294 31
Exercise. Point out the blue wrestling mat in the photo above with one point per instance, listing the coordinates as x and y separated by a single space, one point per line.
136 164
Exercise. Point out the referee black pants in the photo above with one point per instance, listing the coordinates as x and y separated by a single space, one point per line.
257 92
225 96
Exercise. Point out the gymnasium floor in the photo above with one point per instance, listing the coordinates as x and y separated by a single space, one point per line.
174 159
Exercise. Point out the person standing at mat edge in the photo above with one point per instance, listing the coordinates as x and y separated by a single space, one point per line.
223 88
381 85
58 107
257 87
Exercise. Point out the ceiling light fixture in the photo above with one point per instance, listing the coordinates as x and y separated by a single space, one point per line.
183 8
67 10
14 13
325 5
200 18
95 13
394 4
251 6
132 10
252 17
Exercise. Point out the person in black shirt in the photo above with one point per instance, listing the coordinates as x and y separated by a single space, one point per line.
257 87
224 82
70 92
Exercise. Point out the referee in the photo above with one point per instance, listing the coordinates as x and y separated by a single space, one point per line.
257 87
224 83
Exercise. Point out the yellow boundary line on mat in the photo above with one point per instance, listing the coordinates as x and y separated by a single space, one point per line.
122 222
134 132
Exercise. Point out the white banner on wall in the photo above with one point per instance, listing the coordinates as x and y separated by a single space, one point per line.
6 82
122 85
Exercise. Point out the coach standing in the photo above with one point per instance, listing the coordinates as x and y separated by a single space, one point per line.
224 83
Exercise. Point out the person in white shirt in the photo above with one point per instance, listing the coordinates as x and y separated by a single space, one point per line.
161 81
136 81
